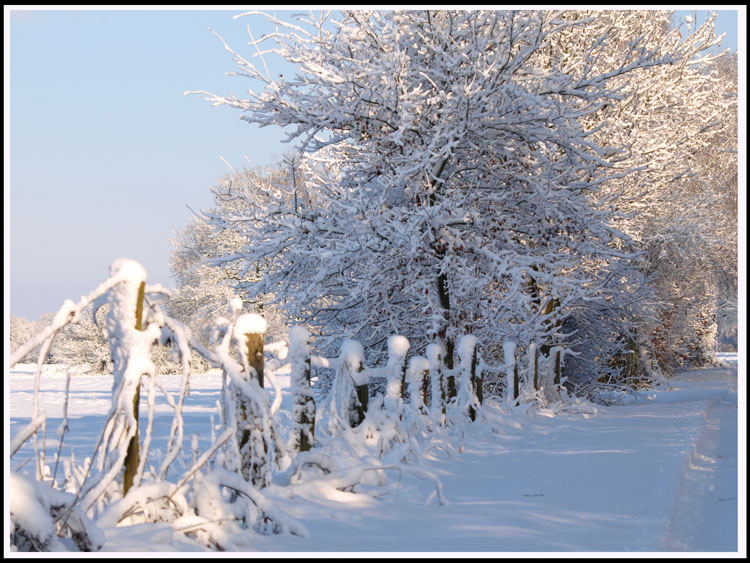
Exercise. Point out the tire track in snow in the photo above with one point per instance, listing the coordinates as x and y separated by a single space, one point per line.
704 514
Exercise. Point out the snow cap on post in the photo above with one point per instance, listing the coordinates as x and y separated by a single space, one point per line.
509 352
250 323
299 340
466 347
434 353
235 305
129 269
353 357
398 346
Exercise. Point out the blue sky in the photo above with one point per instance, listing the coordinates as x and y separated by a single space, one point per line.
105 153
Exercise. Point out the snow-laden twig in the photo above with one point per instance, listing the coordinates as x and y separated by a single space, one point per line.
67 313
182 335
26 432
149 430
220 441
222 477
63 424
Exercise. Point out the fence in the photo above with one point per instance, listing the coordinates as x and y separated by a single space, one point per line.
418 388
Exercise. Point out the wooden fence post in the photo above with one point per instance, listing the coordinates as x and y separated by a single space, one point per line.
250 331
303 400
352 355
478 377
451 389
434 357
467 353
511 368
255 359
133 456
398 347
534 364
419 382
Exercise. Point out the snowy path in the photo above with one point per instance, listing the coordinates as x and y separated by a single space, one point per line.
658 475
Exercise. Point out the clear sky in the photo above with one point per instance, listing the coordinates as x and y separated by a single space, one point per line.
104 154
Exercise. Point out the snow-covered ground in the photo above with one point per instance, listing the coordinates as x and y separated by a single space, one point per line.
659 474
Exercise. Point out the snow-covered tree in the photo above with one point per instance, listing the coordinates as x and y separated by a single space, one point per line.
447 175
205 287
201 294
676 124
21 330
723 162
84 343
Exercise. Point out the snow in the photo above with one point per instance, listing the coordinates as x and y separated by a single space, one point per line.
352 356
299 341
466 346
250 323
29 508
659 474
235 305
398 347
127 270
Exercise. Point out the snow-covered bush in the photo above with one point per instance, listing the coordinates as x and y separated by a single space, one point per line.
120 483
218 498
36 523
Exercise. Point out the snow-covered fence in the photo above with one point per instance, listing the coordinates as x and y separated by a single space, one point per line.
118 483
117 454
540 374
114 486
418 382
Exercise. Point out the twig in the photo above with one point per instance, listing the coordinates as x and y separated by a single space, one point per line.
228 433
26 432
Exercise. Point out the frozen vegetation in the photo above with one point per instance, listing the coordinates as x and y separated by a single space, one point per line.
477 309
657 473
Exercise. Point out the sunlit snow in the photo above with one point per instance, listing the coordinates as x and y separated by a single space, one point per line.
657 474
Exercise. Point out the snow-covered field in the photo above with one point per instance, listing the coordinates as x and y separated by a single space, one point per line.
659 474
